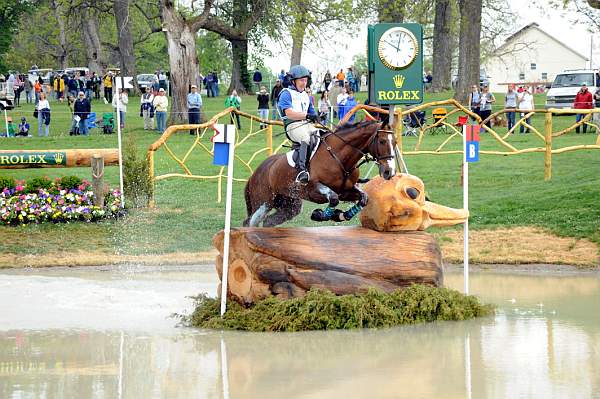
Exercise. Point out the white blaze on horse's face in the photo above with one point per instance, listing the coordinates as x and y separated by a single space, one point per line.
391 162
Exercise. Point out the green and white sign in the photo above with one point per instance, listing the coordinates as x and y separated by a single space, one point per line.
396 63
33 158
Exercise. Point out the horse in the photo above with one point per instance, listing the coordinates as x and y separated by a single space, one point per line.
334 173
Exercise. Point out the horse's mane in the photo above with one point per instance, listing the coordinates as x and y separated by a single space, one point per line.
346 127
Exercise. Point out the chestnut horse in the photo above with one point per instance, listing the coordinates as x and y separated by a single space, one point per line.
333 176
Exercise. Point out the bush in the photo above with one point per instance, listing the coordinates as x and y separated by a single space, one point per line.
7 182
70 182
322 310
34 185
137 184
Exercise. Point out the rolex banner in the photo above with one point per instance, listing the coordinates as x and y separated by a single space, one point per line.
33 158
396 63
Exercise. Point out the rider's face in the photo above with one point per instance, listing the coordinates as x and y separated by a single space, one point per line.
301 83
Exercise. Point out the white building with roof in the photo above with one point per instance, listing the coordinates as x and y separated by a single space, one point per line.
530 55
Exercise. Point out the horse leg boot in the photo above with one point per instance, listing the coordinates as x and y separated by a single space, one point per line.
363 199
303 154
322 194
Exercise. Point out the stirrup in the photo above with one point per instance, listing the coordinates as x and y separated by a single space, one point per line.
303 177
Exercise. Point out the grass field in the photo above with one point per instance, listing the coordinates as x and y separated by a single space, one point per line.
504 190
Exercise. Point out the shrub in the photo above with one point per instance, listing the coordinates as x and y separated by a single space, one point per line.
136 176
322 310
34 185
7 182
70 182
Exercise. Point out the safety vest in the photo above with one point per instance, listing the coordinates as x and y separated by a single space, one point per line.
300 103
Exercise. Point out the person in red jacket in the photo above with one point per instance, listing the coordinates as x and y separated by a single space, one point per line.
583 100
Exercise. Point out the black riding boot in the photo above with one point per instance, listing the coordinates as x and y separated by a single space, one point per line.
302 164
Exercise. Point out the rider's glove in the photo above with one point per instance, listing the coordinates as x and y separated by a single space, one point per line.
312 117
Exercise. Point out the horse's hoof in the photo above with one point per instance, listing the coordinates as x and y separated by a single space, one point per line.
364 200
338 216
318 215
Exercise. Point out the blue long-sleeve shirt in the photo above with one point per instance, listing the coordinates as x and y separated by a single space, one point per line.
194 100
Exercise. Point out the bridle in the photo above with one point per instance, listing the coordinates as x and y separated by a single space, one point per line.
366 156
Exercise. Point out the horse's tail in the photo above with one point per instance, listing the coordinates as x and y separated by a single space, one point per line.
248 203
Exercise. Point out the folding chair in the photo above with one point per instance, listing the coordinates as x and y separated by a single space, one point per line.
438 116
413 122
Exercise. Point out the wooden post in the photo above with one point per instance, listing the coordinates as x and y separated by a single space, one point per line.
269 140
97 163
398 130
150 158
548 156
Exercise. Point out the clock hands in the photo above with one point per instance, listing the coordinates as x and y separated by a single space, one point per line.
391 44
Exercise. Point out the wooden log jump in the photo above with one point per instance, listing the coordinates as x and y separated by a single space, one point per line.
21 159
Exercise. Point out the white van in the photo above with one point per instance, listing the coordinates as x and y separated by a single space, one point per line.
566 85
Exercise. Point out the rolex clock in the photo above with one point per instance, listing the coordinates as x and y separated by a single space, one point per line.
397 48
395 63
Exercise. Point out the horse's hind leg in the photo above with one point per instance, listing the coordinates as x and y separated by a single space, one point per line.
287 210
258 216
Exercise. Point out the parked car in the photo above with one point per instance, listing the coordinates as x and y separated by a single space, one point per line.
34 74
72 71
7 96
146 80
566 85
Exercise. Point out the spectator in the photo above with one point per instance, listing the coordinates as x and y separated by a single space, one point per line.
37 87
123 100
510 103
194 102
209 85
81 110
23 128
327 81
341 101
324 106
12 131
287 80
474 100
583 100
281 75
108 87
311 98
43 115
73 86
234 101
28 91
263 105
59 87
89 87
428 80
161 104
96 81
17 88
162 80
147 109
257 79
275 91
525 105
597 106
340 78
349 103
485 107
215 84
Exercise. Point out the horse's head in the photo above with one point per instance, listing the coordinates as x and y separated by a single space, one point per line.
381 149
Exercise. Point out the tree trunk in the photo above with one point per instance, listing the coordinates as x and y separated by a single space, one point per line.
62 55
469 48
298 33
297 44
442 46
240 78
91 39
183 61
391 11
125 40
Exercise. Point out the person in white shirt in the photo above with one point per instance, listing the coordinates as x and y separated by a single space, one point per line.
525 106
147 109
43 115
161 104
123 101
341 99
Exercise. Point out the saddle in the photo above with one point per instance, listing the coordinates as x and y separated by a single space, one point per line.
292 155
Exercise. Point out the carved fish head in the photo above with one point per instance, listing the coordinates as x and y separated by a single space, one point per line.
399 204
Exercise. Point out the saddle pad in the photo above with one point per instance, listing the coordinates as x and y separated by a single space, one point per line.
290 154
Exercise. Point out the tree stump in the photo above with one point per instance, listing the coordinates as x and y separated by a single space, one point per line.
287 262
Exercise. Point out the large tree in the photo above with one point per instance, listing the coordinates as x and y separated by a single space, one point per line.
442 45
11 12
469 47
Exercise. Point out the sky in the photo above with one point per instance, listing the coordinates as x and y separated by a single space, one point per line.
333 56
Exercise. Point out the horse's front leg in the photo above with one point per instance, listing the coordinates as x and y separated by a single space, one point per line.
354 194
323 194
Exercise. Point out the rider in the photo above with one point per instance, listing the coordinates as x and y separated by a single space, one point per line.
299 117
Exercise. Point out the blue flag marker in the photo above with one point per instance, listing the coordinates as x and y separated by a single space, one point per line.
472 151
222 141
221 157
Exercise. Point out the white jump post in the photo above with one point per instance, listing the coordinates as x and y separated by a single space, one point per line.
121 83
224 150
470 154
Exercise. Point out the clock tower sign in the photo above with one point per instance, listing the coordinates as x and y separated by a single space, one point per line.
395 63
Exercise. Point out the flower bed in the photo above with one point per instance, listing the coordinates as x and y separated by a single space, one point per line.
55 203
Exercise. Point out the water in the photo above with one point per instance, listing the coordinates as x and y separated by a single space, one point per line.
106 333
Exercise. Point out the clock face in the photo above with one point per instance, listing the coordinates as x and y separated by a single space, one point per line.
398 48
